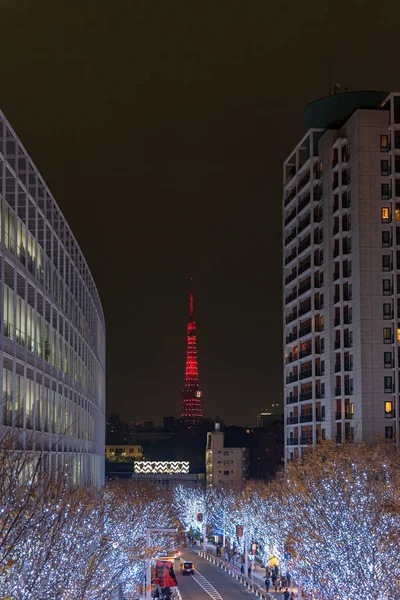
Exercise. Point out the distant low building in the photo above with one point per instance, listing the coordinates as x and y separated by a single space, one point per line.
224 466
124 453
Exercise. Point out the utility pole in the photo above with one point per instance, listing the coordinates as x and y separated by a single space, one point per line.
148 559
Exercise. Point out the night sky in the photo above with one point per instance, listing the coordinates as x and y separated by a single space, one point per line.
160 128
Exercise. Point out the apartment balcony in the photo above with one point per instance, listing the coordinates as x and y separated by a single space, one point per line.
303 182
346 272
305 308
306 440
291 317
292 378
347 319
292 337
338 391
347 365
303 266
348 415
304 331
303 203
319 372
348 390
292 194
336 344
292 420
292 399
291 277
291 257
336 230
291 297
303 288
290 217
306 352
336 298
304 223
306 418
348 343
336 321
304 245
291 358
319 417
338 367
305 374
335 252
346 295
305 396
338 415
290 237
292 441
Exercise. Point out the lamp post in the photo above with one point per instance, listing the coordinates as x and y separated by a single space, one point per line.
148 559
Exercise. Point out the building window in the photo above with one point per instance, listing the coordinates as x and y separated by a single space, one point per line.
385 215
384 143
226 472
385 191
387 335
389 433
387 312
384 168
386 262
387 360
389 410
387 287
388 384
385 239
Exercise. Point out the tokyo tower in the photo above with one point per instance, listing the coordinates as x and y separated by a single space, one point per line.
191 412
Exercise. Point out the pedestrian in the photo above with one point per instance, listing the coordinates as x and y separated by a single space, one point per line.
267 583
288 578
276 584
292 596
242 569
249 572
266 572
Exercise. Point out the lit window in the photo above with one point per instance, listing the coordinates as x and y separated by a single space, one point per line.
387 335
385 215
398 334
384 143
388 410
397 211
386 266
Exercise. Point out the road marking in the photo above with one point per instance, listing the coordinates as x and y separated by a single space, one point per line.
206 585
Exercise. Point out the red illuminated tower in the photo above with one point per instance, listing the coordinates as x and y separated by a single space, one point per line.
191 412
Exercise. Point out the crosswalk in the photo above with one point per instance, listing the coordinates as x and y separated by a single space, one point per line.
206 585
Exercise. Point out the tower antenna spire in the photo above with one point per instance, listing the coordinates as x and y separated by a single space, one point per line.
191 301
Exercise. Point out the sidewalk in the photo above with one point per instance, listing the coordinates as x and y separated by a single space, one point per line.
257 575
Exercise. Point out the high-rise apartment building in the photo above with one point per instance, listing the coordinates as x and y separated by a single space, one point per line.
52 335
341 263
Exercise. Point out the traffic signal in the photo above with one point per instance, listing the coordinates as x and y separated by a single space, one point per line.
254 548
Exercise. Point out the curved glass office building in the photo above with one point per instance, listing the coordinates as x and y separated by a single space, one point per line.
52 353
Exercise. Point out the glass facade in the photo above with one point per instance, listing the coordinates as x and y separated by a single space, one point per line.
52 337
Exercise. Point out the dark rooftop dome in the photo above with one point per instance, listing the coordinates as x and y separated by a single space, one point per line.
332 111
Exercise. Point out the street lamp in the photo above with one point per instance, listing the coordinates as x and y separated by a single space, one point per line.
148 559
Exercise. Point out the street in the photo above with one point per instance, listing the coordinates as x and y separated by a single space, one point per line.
208 582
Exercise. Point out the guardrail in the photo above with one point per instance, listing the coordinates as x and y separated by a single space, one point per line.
234 572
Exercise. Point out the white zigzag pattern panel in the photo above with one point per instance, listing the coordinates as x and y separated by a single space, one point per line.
153 466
